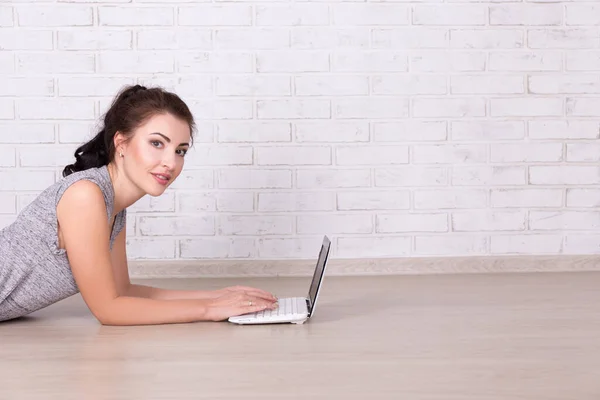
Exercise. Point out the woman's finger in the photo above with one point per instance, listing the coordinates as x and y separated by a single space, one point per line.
256 292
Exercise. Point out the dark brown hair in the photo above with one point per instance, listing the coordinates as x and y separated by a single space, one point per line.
133 106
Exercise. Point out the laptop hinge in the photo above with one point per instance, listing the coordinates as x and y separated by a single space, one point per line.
308 307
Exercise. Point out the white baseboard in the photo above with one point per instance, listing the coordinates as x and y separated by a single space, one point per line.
354 267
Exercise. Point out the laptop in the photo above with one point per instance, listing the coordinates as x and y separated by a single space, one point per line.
295 310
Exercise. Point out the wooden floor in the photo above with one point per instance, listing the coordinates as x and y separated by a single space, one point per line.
444 337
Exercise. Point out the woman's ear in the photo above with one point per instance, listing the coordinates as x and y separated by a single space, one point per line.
119 142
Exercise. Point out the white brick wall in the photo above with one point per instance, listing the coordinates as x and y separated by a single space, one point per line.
400 129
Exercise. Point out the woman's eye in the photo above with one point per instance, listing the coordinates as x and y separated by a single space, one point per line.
182 152
155 141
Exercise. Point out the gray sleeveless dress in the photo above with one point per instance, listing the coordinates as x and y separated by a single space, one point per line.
34 271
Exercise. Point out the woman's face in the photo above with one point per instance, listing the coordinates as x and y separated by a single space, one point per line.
154 157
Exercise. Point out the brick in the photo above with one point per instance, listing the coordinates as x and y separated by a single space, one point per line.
373 200
135 16
7 63
370 107
582 244
25 132
411 176
445 245
41 157
25 179
31 86
13 39
235 202
345 85
486 39
526 152
373 246
583 152
583 107
135 62
484 175
215 15
292 15
440 107
293 109
332 178
252 38
180 39
91 86
520 198
255 225
6 18
151 248
45 109
371 155
487 84
7 109
456 61
75 132
411 131
219 155
254 179
526 14
582 14
278 248
292 61
297 155
55 63
296 201
334 224
487 130
217 248
544 84
564 129
8 204
564 175
194 179
369 61
8 157
199 62
221 109
563 38
170 226
526 107
588 60
52 16
331 131
583 197
358 14
449 154
539 60
484 220
332 38
401 223
526 244
415 38
253 131
94 40
163 203
454 198
190 203
449 14
564 220
411 85
253 85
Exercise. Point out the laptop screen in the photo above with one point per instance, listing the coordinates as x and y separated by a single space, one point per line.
319 270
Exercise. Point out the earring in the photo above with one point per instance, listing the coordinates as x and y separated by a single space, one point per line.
121 153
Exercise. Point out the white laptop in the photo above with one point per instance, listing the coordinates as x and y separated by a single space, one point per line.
296 310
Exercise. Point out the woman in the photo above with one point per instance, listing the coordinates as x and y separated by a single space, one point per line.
71 238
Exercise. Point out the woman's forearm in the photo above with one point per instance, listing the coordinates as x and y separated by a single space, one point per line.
166 294
125 310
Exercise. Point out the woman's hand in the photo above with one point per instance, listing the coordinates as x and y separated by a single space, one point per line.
236 301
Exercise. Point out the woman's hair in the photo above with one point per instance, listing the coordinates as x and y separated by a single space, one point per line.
133 106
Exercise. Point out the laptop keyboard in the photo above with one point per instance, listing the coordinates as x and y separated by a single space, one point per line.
287 307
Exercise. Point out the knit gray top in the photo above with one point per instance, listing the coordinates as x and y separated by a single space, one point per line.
34 271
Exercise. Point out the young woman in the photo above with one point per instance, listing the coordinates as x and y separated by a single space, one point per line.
71 238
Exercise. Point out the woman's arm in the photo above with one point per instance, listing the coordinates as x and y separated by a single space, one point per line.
86 236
